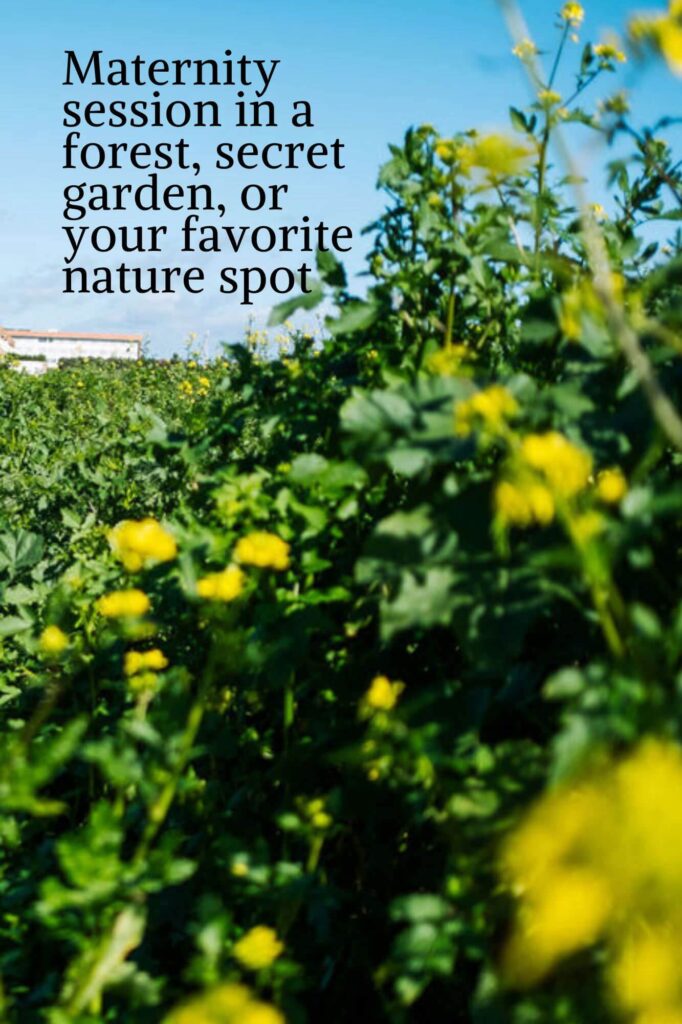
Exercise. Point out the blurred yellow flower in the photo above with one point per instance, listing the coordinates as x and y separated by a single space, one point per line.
573 13
602 860
664 30
498 156
549 97
382 695
226 1004
139 661
258 949
611 485
565 467
523 502
123 604
525 49
53 640
490 408
265 550
609 52
449 360
222 586
139 542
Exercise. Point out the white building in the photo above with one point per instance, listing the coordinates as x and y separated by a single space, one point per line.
44 349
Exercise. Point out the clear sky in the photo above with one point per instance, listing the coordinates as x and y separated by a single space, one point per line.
370 70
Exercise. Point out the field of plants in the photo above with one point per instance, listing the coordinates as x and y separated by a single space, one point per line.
340 675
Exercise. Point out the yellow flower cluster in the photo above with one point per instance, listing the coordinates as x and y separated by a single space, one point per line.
549 97
222 586
121 604
382 695
611 485
608 53
226 1004
449 361
573 13
664 30
144 661
525 49
264 550
496 156
523 503
565 467
601 860
489 408
140 542
258 948
53 641
546 469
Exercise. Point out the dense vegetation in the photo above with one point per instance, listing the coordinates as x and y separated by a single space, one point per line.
292 640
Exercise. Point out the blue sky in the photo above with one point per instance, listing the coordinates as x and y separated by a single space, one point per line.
369 69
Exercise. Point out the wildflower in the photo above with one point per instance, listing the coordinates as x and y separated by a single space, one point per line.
435 201
446 150
573 14
382 696
498 156
239 868
586 526
598 211
611 485
549 97
525 49
608 53
664 30
143 682
53 640
265 550
647 972
491 408
121 604
449 360
138 543
258 949
205 382
222 586
571 865
138 661
565 467
521 504
226 1004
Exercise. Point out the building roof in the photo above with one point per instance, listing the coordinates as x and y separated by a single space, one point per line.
10 333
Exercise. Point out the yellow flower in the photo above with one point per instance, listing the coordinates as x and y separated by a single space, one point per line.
226 1004
449 360
260 1013
608 52
565 467
140 542
382 696
523 502
525 49
121 604
222 586
139 661
664 30
598 211
434 200
491 407
549 97
573 13
600 860
611 485
567 915
446 150
205 382
265 550
648 972
586 527
258 949
53 641
498 156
